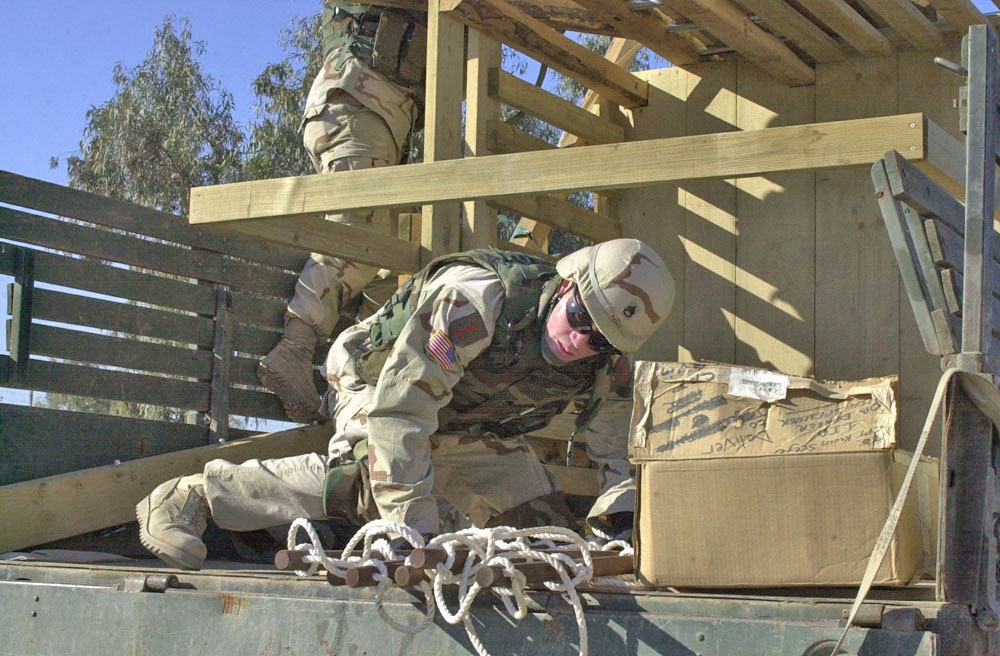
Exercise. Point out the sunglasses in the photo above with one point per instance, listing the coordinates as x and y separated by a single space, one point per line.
580 321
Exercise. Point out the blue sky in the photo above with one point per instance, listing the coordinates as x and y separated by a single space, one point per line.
57 58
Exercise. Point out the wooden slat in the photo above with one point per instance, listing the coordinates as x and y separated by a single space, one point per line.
731 24
644 27
45 376
788 22
64 344
960 13
951 282
61 506
252 403
37 442
504 138
127 249
57 306
815 146
260 311
506 23
910 22
947 246
851 26
63 201
564 215
552 109
97 277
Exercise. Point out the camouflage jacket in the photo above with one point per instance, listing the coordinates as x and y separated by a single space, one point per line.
446 372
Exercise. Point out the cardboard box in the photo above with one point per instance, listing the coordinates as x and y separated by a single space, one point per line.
748 478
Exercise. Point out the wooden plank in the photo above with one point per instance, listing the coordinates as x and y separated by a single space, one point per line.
819 146
257 311
61 506
99 278
50 305
252 403
644 27
143 253
441 222
220 375
63 201
46 376
851 26
783 19
132 354
506 23
960 13
552 109
338 239
951 282
775 246
730 24
910 22
563 214
505 138
37 442
479 230
912 186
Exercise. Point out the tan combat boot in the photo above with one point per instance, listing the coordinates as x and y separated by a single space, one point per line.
288 374
172 519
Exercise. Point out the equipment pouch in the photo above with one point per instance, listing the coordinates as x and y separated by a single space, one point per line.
399 50
347 492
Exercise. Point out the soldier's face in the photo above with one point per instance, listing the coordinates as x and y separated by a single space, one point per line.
564 341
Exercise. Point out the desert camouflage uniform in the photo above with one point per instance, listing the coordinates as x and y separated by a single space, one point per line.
446 416
354 118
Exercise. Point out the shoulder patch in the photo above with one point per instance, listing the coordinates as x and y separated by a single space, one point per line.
467 330
440 347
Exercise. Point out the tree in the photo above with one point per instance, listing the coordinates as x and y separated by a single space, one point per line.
275 148
169 127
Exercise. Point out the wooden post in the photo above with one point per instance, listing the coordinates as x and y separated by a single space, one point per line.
480 227
443 120
222 354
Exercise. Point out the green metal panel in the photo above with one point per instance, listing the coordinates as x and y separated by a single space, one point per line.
257 612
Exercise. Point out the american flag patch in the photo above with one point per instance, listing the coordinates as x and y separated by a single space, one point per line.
440 348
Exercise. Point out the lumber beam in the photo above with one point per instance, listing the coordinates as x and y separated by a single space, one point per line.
311 232
562 214
787 21
552 109
815 146
643 26
910 22
505 138
960 13
56 507
731 25
479 229
852 26
508 24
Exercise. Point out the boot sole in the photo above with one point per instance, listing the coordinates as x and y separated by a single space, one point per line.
165 552
277 385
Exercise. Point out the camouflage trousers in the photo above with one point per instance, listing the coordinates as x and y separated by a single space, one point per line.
478 479
345 136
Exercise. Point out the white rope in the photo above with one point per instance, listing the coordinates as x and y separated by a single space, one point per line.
495 547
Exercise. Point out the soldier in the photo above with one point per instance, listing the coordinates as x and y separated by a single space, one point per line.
433 395
361 110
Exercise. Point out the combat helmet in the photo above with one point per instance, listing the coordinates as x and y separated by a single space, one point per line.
625 287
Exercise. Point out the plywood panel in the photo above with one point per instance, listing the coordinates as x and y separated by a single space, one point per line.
710 223
857 288
653 213
775 254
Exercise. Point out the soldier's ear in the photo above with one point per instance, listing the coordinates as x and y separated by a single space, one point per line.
564 285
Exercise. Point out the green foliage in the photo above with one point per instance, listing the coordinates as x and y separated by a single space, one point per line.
275 142
168 128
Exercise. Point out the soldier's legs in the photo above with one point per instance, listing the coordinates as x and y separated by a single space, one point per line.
345 136
489 479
